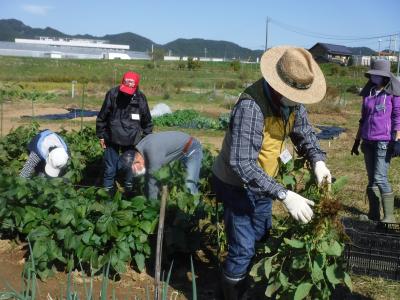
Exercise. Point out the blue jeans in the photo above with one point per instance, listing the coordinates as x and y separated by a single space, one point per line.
377 161
192 162
111 168
247 218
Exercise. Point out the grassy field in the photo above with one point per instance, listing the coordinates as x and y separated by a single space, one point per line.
212 90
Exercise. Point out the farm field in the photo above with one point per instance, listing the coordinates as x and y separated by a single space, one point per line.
32 87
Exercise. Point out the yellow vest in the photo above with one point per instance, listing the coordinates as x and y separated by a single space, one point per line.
274 143
275 131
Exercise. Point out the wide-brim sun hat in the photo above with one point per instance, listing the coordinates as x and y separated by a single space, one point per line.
293 73
55 162
379 67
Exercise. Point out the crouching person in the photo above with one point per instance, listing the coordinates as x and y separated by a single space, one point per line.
158 149
48 154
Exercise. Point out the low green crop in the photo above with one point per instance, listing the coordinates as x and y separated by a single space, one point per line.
188 118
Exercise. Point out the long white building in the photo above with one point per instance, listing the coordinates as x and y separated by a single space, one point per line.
69 48
72 43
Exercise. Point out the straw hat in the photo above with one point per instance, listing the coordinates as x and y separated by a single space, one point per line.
293 73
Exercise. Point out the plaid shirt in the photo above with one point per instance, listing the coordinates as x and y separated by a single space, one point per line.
247 130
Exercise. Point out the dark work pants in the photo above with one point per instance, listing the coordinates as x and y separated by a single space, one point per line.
111 157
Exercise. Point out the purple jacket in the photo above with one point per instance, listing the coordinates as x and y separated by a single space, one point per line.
380 117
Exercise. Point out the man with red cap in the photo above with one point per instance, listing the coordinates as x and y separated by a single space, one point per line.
121 123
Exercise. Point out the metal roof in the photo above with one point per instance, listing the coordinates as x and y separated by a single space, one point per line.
33 50
335 49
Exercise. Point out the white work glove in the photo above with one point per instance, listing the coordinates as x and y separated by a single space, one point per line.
322 172
298 207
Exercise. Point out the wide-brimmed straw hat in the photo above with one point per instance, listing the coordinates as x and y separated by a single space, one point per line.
293 73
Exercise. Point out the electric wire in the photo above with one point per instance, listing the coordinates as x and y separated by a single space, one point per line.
304 32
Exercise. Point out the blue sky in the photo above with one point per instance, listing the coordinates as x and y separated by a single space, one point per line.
301 23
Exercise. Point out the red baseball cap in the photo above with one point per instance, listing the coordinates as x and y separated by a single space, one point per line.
129 83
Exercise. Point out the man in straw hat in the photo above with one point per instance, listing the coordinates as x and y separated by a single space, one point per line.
266 114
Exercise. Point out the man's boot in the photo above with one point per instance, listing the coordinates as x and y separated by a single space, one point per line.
234 289
388 208
374 198
111 190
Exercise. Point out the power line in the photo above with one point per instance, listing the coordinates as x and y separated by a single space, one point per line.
305 32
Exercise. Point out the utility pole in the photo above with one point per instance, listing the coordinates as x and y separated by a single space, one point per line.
379 47
266 34
205 52
398 59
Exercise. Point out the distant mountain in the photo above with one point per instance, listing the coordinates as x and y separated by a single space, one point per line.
11 29
362 51
210 48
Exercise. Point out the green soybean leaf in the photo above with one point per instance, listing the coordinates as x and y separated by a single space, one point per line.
272 288
348 282
294 243
268 266
39 248
283 279
139 259
255 270
333 248
298 262
302 290
332 274
146 226
317 273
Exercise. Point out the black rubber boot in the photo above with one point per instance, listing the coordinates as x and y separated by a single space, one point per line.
111 191
374 198
388 208
234 289
128 192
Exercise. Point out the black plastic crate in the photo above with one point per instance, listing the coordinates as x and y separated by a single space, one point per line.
373 249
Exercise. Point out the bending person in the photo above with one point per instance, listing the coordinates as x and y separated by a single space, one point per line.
47 154
158 149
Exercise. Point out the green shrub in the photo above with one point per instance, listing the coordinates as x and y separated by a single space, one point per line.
235 65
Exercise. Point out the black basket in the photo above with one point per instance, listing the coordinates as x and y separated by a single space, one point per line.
373 249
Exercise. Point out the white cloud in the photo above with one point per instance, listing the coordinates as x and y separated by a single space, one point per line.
40 10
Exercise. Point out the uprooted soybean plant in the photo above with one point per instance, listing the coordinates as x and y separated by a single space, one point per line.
301 260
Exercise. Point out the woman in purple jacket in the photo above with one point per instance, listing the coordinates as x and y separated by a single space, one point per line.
379 130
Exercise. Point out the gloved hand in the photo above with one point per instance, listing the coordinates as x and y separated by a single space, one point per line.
396 148
298 207
322 172
354 150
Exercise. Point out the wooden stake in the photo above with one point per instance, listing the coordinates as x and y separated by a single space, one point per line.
160 234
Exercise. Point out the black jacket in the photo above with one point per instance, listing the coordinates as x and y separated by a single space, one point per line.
123 119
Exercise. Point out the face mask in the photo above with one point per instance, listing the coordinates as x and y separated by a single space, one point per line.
288 103
140 173
376 79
